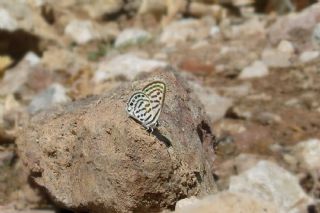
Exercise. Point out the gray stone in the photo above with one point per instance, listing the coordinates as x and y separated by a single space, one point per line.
127 65
7 22
256 70
81 31
214 31
132 36
15 78
98 8
316 36
308 56
6 157
215 105
286 46
276 58
55 94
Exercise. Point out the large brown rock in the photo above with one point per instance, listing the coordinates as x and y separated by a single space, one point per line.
89 155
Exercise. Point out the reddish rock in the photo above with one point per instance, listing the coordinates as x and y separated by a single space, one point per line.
197 67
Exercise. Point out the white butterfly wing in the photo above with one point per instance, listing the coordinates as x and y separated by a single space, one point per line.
139 106
156 93
146 106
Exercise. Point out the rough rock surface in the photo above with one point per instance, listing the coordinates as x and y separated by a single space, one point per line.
90 156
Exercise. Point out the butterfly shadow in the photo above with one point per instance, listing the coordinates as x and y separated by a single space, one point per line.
156 133
161 137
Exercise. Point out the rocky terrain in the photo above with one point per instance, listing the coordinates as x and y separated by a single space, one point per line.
239 129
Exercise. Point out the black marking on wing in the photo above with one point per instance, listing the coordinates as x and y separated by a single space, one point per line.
156 106
154 86
134 99
148 117
139 103
153 118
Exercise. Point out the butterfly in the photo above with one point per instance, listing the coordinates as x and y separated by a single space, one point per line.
145 106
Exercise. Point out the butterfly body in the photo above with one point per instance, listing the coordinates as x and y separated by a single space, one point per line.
145 106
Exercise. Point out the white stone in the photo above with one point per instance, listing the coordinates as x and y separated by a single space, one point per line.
239 3
308 153
11 103
55 94
215 105
269 182
200 44
81 31
237 91
286 46
6 21
160 56
308 56
182 30
316 36
11 209
225 201
187 202
15 77
256 70
252 27
32 58
2 111
132 36
127 65
97 8
215 30
37 3
152 6
276 58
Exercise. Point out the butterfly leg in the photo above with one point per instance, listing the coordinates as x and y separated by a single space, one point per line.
149 129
